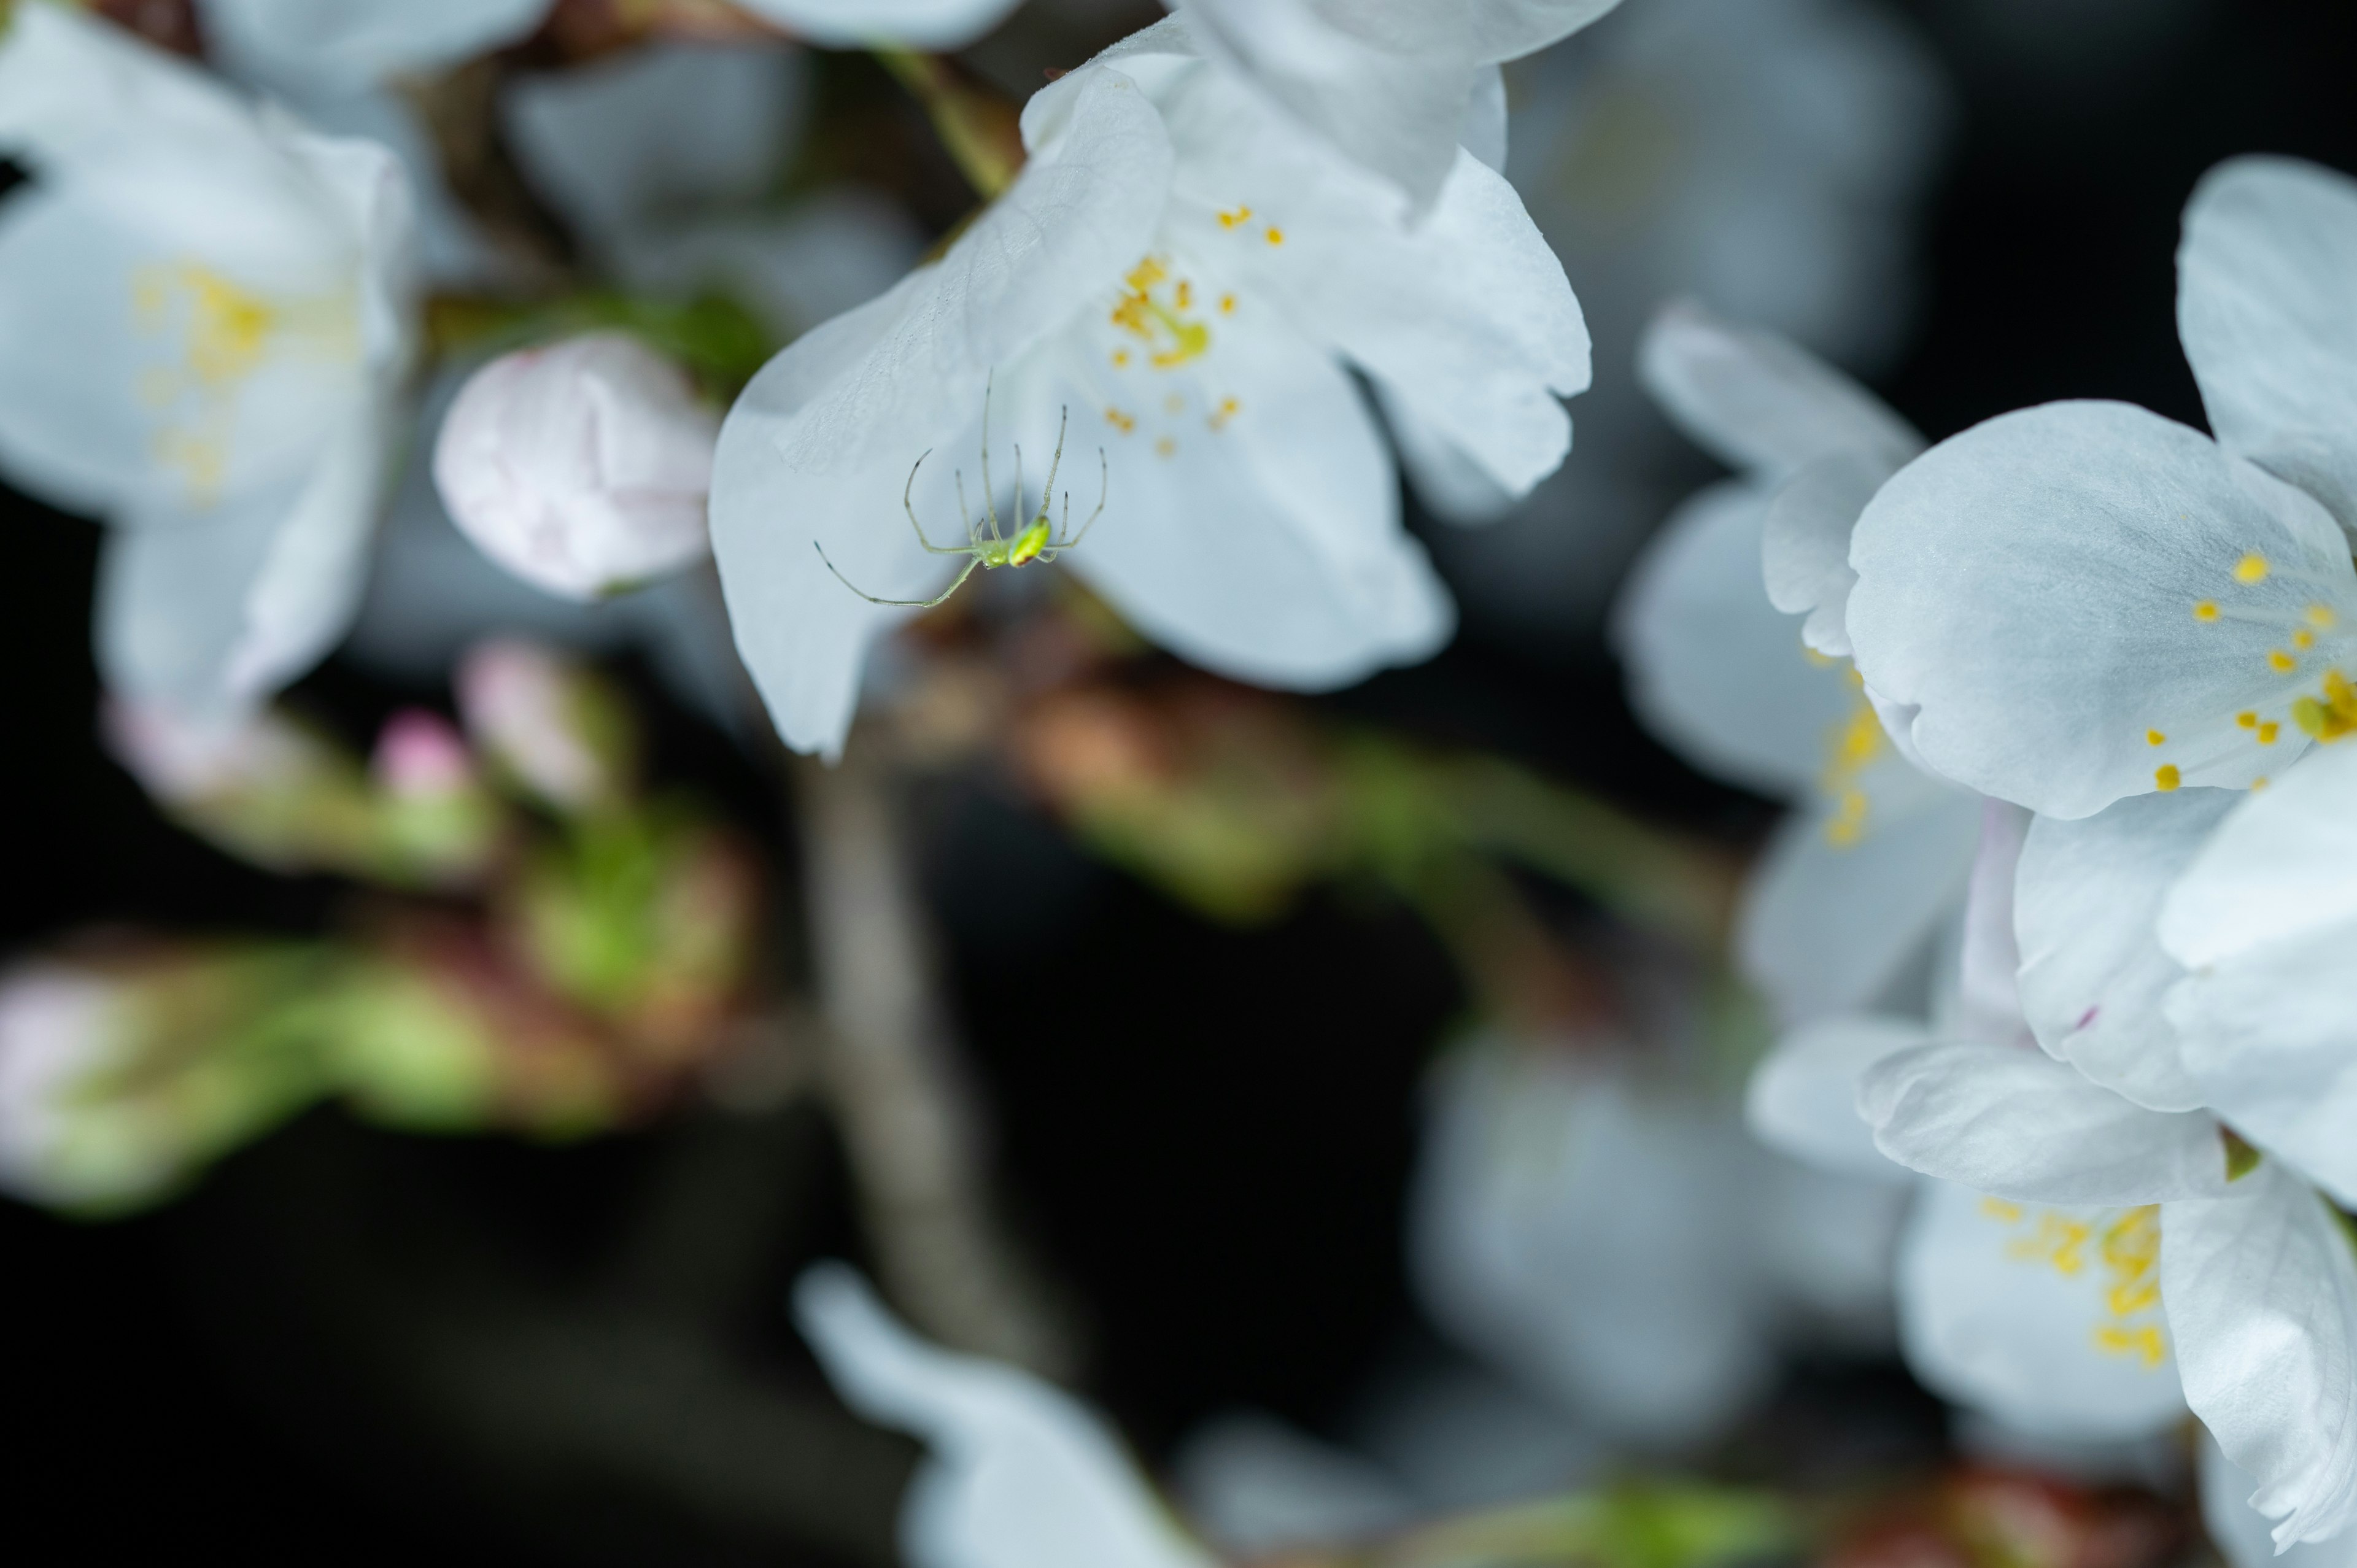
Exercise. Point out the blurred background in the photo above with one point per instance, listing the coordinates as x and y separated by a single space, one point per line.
1201 1076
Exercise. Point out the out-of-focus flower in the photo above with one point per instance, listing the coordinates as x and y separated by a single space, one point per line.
551 724
1624 1246
1744 671
581 467
204 321
274 792
2083 601
1980 1516
124 1072
1765 156
1395 85
1020 1475
2116 1212
1185 276
357 43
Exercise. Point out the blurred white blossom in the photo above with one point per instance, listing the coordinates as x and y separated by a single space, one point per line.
1732 630
1187 278
1020 1473
582 465
204 324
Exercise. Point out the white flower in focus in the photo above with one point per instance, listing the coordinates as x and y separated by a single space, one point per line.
2084 601
1395 85
2179 1241
1188 279
863 23
582 465
1020 1476
1747 678
204 324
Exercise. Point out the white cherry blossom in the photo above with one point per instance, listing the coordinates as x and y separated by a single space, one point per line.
1020 1473
2083 601
1185 281
1732 630
1393 84
223 393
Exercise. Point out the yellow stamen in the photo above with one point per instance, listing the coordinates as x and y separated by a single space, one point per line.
2166 778
2282 664
2207 610
2154 737
2251 568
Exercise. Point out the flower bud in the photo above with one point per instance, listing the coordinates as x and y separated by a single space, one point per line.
555 728
420 757
580 467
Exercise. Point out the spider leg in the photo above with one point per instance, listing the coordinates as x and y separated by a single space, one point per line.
1061 423
904 603
909 506
1016 511
1104 487
989 507
972 538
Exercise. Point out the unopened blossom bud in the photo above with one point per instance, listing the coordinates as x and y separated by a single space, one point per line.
556 728
420 756
581 467
57 1024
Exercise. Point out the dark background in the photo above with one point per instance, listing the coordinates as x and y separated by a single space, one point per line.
1205 1133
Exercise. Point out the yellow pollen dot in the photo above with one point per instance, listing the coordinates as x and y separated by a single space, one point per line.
1227 304
2302 638
2260 782
1120 359
2321 616
1230 219
2251 568
1228 408
2332 716
1165 448
2268 731
1276 235
2154 737
1120 420
2206 610
2281 663
1186 295
1997 1208
2166 778
2246 720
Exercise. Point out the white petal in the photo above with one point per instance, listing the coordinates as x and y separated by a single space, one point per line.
205 616
1576 1230
1022 1475
2262 1293
1988 1002
2086 897
1713 668
1760 401
1466 317
1452 486
2269 322
2282 863
1079 215
357 42
858 24
1270 550
2270 1037
655 131
2017 1123
2243 1535
1805 547
1803 1097
2018 1312
2032 588
73 87
1829 921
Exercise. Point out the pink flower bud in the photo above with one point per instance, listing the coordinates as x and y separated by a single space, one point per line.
419 757
58 1030
549 725
580 467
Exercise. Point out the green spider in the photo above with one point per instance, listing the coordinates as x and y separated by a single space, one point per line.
985 544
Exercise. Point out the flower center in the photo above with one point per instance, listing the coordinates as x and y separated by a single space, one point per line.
2127 1246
